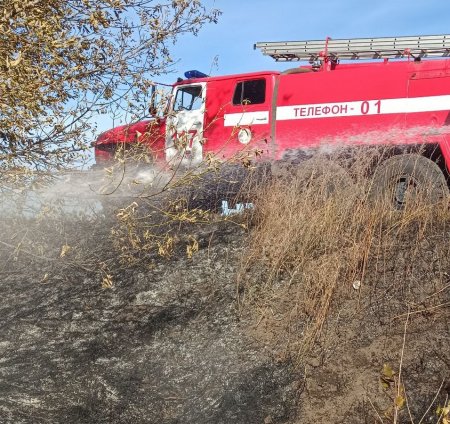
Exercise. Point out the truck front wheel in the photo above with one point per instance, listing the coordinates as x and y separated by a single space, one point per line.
407 179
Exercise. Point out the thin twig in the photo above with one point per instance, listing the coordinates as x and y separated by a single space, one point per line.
431 404
422 310
375 409
27 252
399 384
409 410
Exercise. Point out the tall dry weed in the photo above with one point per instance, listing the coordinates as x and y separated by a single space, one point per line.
316 234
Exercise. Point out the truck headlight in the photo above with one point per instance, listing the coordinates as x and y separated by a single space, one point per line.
244 135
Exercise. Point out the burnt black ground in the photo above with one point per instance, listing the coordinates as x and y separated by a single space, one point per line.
165 344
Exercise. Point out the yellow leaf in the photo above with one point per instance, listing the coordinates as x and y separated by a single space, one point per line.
165 248
107 281
64 250
443 411
385 383
192 248
399 402
387 371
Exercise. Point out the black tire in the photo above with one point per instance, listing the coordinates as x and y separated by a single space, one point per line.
407 179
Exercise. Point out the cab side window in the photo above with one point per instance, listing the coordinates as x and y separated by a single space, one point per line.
188 98
251 92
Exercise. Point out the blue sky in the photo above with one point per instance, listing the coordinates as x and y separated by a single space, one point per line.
245 22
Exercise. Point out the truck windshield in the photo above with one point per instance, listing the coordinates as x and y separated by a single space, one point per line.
188 98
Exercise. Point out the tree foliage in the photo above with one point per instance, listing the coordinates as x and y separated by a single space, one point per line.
61 62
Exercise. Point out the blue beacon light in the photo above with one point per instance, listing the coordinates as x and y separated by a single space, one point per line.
194 74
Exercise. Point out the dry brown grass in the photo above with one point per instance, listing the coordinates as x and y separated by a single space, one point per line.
331 275
316 235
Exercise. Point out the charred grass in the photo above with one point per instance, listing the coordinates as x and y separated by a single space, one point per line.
126 313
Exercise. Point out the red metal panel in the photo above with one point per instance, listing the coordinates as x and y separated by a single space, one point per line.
431 78
340 106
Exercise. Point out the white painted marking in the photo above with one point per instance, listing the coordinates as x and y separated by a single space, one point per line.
246 118
364 107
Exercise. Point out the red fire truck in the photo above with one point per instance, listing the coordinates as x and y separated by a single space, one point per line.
400 95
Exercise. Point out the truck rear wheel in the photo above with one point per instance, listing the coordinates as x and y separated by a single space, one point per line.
407 179
323 177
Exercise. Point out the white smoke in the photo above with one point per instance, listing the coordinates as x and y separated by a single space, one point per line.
80 193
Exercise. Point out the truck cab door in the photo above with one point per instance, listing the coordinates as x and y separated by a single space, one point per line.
247 118
185 125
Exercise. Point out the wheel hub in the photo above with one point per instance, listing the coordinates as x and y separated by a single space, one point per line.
404 185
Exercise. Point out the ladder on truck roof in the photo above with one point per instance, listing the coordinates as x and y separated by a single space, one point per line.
357 48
